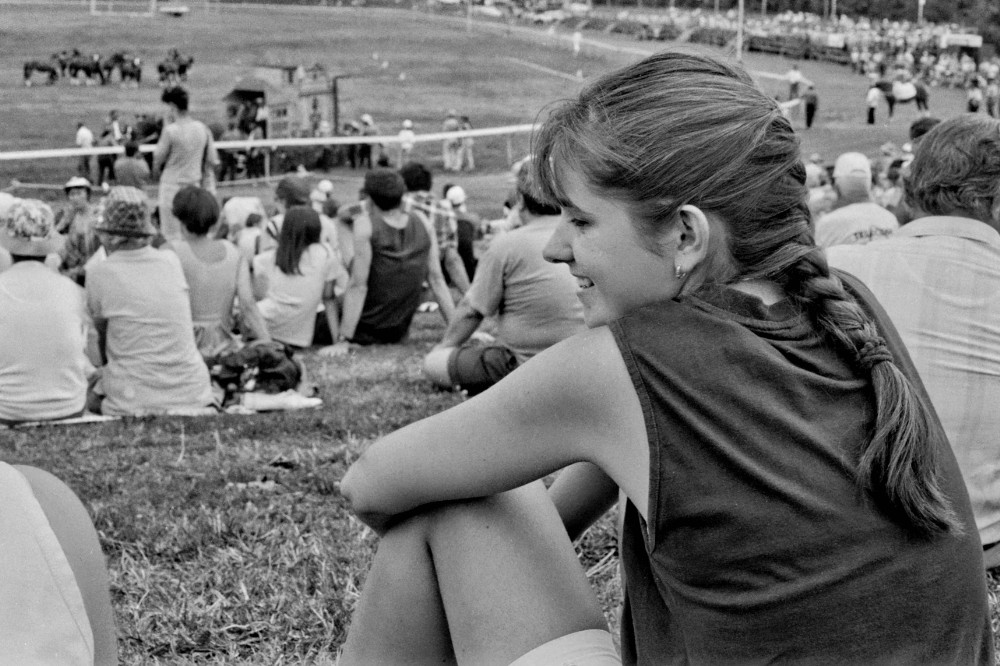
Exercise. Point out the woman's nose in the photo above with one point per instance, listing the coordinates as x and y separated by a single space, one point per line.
558 249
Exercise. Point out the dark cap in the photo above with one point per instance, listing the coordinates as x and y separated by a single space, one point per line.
293 190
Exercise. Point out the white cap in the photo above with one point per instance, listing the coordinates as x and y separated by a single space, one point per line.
853 165
77 182
408 123
456 195
324 186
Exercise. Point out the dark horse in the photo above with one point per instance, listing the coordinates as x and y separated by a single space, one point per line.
903 92
90 66
49 68
129 67
174 68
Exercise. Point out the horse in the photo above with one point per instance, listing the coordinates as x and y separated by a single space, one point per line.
903 92
63 58
174 68
48 68
129 67
90 66
130 70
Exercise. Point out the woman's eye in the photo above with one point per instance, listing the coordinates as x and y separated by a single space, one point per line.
578 223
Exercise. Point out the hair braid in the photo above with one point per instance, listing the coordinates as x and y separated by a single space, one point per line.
898 464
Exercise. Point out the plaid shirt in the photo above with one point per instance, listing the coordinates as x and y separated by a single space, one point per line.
939 280
439 212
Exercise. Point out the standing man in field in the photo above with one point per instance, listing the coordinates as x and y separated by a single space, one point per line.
452 147
811 100
183 155
872 100
84 139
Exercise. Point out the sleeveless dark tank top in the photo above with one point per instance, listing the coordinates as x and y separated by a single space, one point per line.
395 281
759 545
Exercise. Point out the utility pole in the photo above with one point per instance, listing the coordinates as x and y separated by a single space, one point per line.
920 11
739 32
763 9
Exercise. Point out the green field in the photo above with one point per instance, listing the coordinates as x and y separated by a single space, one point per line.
226 538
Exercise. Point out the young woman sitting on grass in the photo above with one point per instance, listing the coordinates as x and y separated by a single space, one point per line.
216 274
788 493
292 280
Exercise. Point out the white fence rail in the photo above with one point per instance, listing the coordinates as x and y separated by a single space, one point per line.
274 143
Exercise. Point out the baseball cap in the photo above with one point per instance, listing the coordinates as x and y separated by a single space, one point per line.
77 182
456 195
852 165
293 190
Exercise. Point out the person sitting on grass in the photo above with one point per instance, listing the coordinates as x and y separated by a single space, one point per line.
216 275
43 323
292 281
418 196
138 299
534 301
789 494
290 191
394 253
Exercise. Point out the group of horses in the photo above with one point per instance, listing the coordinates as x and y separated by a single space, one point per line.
94 68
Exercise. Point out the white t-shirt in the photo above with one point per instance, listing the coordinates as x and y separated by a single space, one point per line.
855 224
291 301
153 362
84 137
43 324
406 137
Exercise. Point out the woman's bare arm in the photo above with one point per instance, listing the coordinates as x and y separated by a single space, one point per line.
572 403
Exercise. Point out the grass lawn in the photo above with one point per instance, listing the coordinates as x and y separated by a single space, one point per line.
226 538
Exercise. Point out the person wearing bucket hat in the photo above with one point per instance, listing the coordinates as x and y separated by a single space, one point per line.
138 299
42 364
60 596
77 223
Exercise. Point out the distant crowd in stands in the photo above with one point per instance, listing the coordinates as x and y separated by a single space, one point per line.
883 48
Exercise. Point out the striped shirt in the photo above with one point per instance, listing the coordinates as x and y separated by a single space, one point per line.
939 280
439 212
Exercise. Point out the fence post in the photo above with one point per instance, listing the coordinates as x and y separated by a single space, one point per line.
510 151
267 163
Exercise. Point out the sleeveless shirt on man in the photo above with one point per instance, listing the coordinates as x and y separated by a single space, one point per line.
395 280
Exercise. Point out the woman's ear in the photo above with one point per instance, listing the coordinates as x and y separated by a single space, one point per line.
694 232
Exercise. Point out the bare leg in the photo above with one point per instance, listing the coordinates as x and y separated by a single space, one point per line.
482 582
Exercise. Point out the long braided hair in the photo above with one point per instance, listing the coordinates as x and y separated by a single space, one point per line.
683 128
